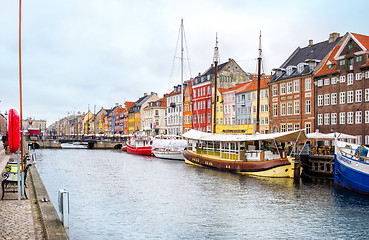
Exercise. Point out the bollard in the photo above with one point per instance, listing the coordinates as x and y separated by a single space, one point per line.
63 202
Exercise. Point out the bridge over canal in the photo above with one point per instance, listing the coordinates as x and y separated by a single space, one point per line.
91 143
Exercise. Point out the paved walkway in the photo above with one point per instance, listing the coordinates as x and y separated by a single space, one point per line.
19 220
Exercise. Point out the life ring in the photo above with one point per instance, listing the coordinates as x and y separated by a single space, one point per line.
14 131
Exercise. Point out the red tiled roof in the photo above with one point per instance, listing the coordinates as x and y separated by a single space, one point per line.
364 40
173 93
235 88
164 102
254 85
324 70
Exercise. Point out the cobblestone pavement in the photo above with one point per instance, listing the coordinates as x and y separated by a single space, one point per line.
19 220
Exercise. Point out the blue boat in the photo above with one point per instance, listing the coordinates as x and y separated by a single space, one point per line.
351 167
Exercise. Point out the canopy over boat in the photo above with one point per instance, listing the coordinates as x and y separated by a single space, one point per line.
298 135
179 144
329 136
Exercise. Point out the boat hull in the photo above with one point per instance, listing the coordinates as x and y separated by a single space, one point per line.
139 150
351 173
270 168
172 155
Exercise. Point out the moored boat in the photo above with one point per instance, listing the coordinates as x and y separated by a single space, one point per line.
351 167
237 153
75 145
139 145
169 147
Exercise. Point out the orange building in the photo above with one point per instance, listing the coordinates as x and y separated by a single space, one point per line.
187 107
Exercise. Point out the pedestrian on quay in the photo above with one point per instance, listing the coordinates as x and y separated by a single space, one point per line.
5 140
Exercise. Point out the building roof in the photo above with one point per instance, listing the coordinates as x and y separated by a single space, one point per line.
329 66
314 52
136 107
254 85
238 88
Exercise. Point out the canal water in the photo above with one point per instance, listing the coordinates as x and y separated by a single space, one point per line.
115 195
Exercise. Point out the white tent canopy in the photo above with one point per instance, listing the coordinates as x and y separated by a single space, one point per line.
329 136
298 135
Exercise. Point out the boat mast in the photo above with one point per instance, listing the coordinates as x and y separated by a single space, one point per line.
258 93
181 114
216 57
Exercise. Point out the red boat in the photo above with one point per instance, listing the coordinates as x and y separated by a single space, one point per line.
142 146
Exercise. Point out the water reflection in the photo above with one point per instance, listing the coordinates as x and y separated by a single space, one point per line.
115 195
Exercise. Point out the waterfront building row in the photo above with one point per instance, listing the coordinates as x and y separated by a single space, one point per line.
322 87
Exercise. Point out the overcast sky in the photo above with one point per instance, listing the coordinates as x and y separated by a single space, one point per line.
80 53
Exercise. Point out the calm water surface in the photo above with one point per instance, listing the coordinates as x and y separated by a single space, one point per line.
115 195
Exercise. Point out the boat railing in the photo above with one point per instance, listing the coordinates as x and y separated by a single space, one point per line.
351 154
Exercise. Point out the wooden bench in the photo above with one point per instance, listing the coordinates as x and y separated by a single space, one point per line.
10 178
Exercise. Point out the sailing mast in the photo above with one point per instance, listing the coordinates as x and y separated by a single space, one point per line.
181 117
215 59
258 93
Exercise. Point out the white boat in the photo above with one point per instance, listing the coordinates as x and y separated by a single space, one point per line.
169 148
75 145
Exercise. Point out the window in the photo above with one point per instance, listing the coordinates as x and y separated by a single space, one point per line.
283 127
342 97
283 88
366 74
350 79
366 139
296 85
350 117
358 139
326 118
367 116
333 80
300 67
320 100
307 84
194 93
350 96
358 96
342 62
209 117
297 107
275 109
358 117
283 109
326 99
289 127
275 90
320 82
289 87
358 76
350 46
333 98
308 127
342 117
333 118
208 90
289 108
342 79
326 81
320 119
297 126
308 106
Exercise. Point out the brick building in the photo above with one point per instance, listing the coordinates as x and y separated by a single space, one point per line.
342 89
291 87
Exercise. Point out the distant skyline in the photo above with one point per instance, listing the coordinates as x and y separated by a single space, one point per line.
83 53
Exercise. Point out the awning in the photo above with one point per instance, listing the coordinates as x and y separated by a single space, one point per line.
291 136
329 136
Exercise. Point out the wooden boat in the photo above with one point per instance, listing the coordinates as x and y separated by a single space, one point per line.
169 147
139 145
75 145
237 153
351 167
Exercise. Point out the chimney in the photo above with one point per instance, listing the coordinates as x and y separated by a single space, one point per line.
310 42
333 37
199 74
229 59
211 65
145 94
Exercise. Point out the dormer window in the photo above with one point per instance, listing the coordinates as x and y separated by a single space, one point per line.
350 46
289 70
300 67
342 62
209 77
330 66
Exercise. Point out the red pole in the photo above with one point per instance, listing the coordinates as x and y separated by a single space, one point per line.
20 80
